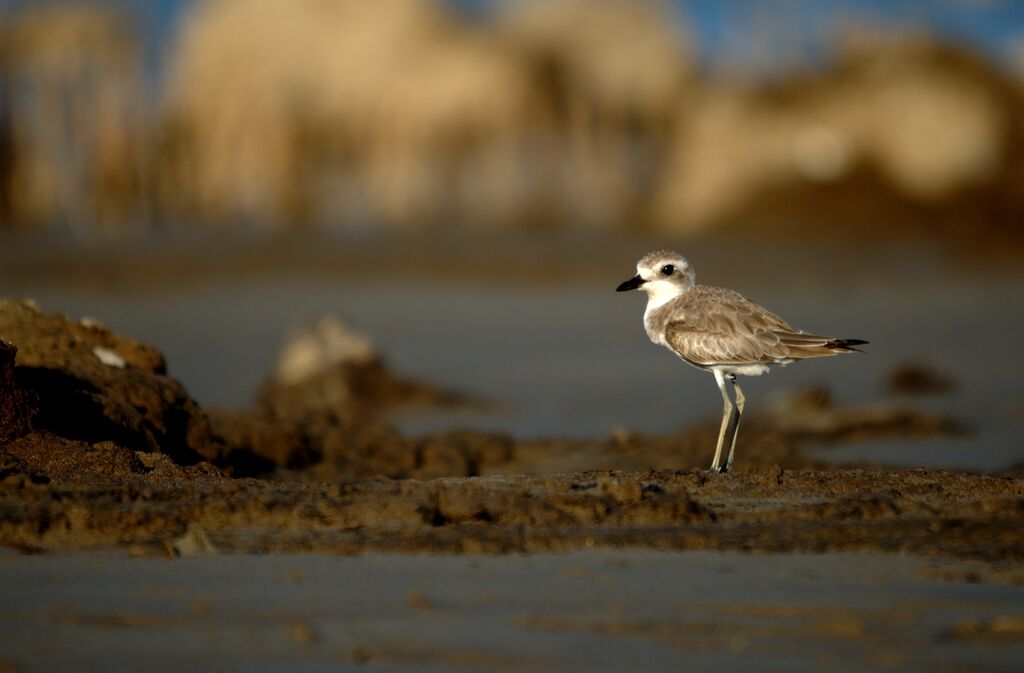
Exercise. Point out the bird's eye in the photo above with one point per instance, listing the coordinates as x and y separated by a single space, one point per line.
667 270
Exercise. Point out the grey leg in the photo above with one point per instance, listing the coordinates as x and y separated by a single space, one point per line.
740 402
727 413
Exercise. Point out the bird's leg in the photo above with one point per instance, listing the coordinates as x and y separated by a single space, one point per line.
738 414
727 414
728 437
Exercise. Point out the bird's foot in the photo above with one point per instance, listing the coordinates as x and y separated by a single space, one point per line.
718 470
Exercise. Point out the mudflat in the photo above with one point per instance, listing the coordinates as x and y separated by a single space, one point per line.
597 610
145 529
773 510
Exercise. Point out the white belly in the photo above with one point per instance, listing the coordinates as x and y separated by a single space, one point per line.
744 370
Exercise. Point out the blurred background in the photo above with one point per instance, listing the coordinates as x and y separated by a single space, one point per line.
682 117
466 182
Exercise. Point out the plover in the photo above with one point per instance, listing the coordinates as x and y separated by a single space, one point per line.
720 331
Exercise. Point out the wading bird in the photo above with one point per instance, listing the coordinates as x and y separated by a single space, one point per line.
721 332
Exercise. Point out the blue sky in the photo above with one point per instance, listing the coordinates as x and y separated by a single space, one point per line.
989 25
723 31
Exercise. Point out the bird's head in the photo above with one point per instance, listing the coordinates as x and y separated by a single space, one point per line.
663 275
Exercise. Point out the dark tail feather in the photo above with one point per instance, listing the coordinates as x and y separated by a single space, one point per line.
845 344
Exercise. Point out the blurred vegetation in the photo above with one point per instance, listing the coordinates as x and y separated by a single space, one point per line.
405 115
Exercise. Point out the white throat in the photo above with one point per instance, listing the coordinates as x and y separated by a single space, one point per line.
660 292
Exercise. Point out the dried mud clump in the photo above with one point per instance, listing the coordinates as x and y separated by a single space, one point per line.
14 420
321 407
915 378
330 368
87 385
253 445
811 414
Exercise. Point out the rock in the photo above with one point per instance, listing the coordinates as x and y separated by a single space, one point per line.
88 385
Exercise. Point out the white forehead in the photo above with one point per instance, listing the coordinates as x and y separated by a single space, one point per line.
657 259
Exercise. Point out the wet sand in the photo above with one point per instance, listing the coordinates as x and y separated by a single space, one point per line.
603 610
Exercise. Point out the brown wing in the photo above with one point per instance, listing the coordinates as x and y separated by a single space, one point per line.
717 326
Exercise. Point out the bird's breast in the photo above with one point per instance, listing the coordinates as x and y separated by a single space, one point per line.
655 328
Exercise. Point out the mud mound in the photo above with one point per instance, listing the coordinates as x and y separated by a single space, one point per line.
322 406
14 416
349 389
79 403
326 447
254 445
84 383
330 369
917 378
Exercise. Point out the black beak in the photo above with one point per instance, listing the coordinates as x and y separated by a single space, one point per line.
631 284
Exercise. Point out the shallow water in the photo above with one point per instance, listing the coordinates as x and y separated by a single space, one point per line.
570 358
599 610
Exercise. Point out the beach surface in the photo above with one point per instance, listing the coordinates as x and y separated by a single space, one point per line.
597 610
444 509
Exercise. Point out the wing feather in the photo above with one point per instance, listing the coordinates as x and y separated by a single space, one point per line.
717 326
